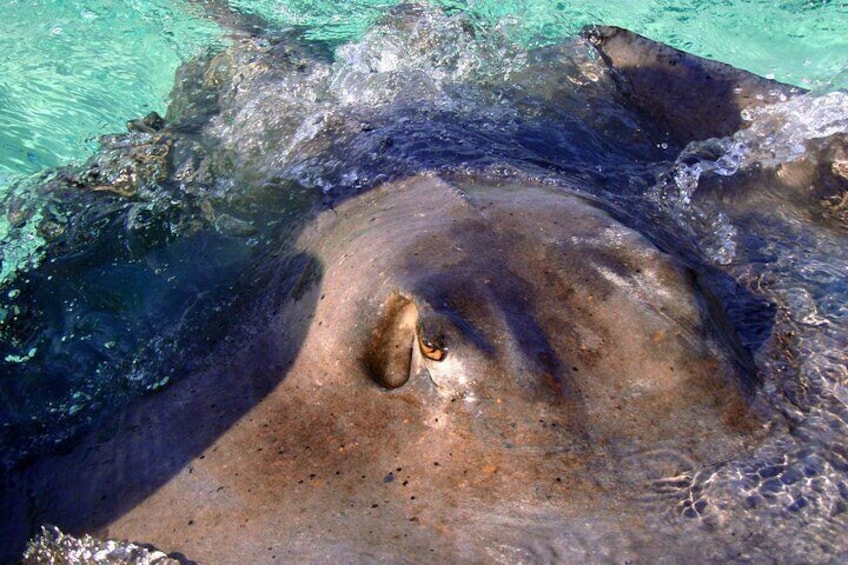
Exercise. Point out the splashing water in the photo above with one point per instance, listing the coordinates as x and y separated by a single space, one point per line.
74 69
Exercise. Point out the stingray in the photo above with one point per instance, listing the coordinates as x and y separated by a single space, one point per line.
451 369
504 356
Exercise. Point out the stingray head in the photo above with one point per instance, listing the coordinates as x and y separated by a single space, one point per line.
519 301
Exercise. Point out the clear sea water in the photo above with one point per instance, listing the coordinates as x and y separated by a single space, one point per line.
72 71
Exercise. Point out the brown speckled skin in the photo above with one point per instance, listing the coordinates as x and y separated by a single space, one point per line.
589 359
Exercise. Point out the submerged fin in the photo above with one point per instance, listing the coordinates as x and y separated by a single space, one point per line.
690 97
230 18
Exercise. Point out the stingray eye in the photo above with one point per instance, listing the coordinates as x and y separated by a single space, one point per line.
432 350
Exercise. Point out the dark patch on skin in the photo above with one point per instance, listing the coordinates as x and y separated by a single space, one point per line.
694 98
310 275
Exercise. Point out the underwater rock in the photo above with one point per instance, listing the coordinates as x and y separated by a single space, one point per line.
52 546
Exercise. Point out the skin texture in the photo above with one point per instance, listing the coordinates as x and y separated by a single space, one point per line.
693 98
576 362
439 371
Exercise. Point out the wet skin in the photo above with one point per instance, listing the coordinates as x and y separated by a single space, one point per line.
477 366
460 370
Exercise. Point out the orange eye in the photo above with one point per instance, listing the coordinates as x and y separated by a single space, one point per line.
431 350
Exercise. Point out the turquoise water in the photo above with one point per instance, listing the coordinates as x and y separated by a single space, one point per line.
799 42
74 69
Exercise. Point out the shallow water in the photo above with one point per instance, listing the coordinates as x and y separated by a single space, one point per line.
76 69
102 320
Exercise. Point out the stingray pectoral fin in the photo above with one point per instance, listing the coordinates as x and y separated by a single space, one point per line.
389 356
690 97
